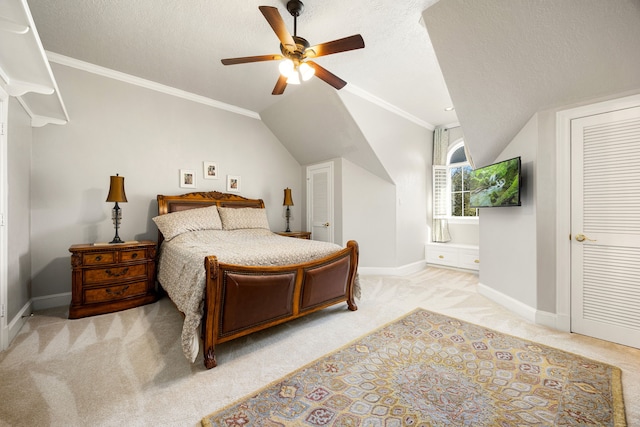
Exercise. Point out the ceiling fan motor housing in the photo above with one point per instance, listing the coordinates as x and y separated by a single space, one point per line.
297 55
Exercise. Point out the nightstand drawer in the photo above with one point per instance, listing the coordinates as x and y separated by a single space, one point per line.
112 274
98 258
114 292
135 255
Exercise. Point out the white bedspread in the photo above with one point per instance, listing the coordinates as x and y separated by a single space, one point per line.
181 266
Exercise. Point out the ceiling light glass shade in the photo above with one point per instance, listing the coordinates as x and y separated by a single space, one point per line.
286 68
294 78
306 70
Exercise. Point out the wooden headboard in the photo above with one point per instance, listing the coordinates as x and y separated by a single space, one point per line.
168 204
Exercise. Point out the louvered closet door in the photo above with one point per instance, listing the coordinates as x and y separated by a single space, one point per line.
605 224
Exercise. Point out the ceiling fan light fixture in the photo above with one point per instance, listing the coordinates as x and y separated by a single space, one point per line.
296 50
294 78
286 67
306 71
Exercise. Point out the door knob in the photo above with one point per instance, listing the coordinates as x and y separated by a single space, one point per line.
326 224
582 238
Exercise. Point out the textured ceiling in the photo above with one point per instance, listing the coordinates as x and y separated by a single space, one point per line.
505 60
180 43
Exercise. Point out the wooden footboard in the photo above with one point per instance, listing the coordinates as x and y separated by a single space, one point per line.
240 300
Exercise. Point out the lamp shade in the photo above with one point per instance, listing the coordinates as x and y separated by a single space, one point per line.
116 190
288 200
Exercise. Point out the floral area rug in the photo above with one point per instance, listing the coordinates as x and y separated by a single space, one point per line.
426 369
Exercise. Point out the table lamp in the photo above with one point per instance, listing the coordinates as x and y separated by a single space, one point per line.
117 195
288 201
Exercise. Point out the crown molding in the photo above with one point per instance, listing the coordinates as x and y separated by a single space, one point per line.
387 106
148 84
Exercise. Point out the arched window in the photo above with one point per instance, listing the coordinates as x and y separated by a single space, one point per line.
458 182
457 190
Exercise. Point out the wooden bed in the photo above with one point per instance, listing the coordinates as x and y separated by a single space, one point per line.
235 295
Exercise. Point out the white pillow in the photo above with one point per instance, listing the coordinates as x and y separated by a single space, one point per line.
238 218
175 223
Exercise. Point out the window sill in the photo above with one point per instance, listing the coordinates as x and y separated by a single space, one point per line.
463 220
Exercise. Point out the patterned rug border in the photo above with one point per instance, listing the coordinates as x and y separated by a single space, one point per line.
616 373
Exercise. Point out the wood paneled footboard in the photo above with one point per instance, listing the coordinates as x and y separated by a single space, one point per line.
240 300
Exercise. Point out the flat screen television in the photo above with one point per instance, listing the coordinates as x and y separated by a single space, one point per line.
495 185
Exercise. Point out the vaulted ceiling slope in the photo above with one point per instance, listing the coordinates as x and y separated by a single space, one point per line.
315 125
505 60
180 44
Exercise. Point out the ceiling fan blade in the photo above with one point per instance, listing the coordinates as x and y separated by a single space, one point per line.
246 59
280 86
327 76
274 19
335 46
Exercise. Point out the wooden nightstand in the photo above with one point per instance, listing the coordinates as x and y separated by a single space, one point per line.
296 234
112 277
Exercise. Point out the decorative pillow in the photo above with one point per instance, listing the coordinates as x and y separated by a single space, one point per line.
237 218
175 223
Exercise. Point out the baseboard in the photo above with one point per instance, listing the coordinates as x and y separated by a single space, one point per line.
518 307
19 320
545 318
50 301
563 322
393 271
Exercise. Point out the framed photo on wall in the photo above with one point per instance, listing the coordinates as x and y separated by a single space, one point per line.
233 183
209 170
187 178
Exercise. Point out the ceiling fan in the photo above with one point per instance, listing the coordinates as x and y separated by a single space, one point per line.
296 51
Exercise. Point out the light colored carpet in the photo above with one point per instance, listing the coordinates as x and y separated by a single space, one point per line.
127 368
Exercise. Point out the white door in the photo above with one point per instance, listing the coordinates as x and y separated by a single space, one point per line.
320 201
605 226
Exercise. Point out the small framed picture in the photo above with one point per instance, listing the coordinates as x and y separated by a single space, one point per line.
233 183
209 170
187 178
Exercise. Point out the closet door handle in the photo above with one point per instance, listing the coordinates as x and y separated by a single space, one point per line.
581 238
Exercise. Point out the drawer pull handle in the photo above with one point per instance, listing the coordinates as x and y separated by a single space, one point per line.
441 256
122 273
134 256
477 261
99 258
118 293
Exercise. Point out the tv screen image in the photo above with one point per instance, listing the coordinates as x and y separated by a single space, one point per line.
495 185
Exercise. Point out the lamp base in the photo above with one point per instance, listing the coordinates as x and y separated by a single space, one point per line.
288 216
116 240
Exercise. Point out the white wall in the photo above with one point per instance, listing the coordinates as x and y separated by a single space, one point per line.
508 236
146 137
404 149
369 216
19 141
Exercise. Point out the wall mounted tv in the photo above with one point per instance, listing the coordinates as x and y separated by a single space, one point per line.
495 185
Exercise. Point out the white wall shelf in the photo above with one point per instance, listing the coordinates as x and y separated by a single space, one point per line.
24 69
